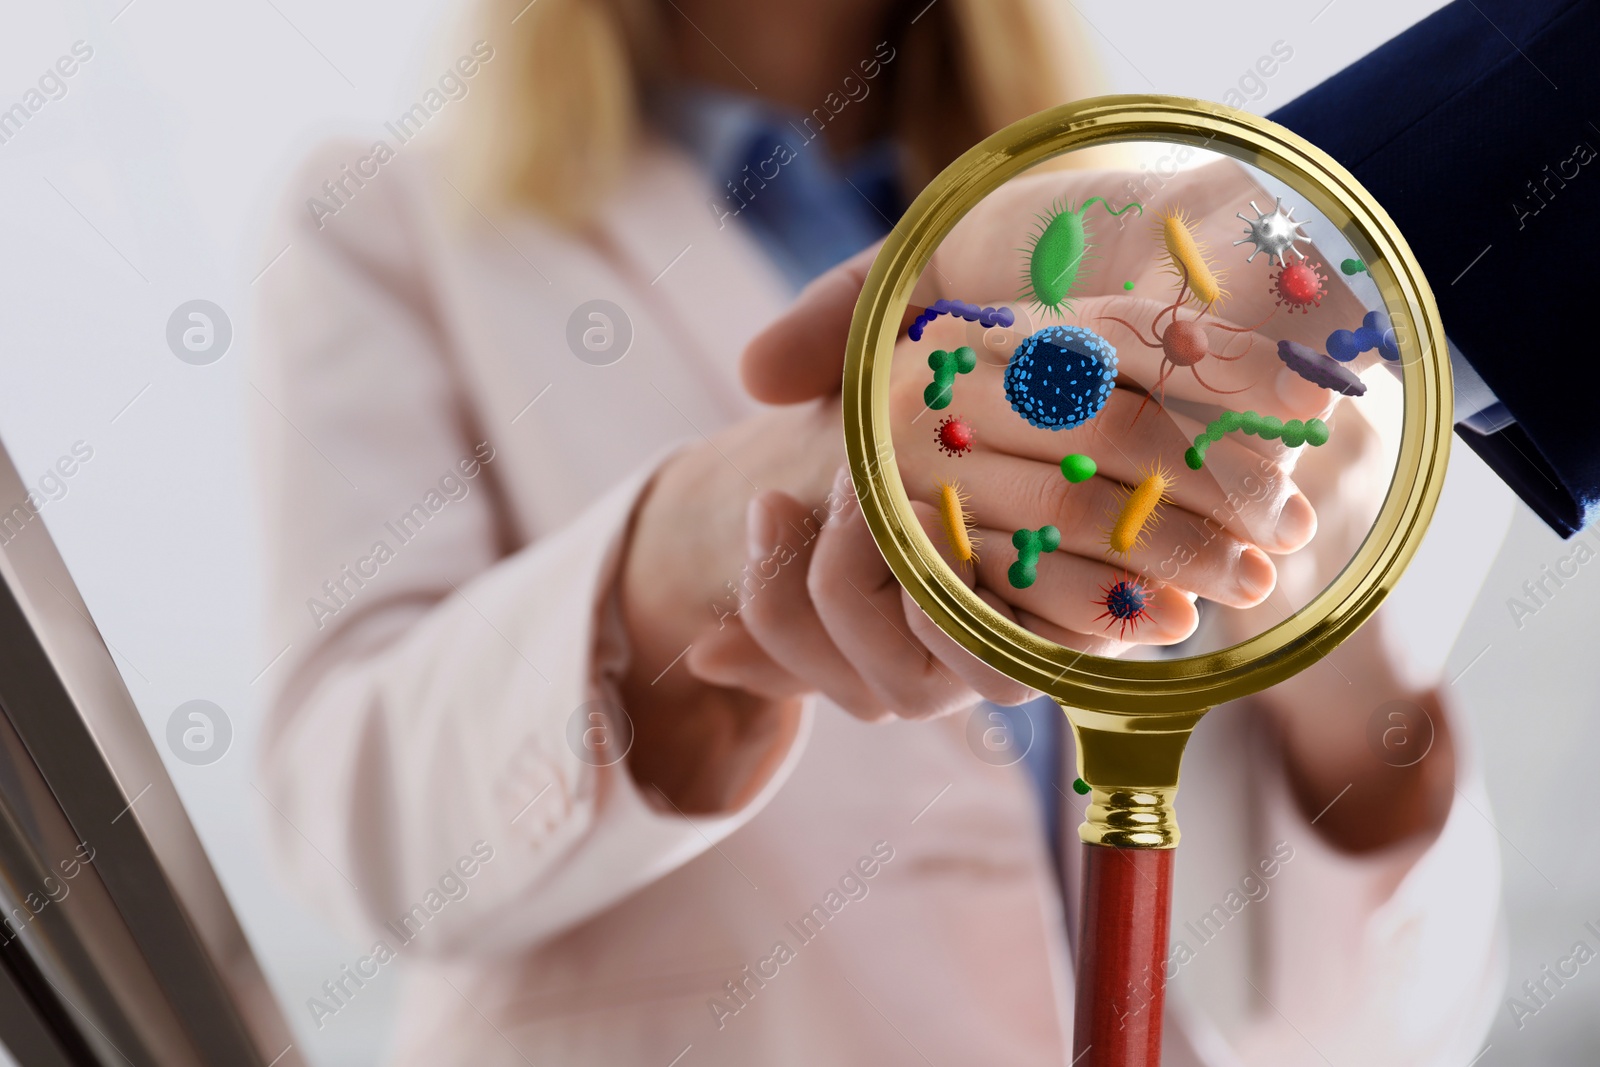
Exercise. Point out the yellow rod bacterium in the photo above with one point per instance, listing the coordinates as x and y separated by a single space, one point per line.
1188 256
1138 513
957 524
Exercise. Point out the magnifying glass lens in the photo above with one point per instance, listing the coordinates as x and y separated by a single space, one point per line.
1148 412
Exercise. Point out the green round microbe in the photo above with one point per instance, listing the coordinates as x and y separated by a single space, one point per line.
1316 433
1080 787
966 359
1193 458
1125 285
1215 431
1077 468
1352 266
1230 420
1270 428
1294 433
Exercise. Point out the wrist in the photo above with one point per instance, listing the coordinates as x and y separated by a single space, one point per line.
698 748
1358 792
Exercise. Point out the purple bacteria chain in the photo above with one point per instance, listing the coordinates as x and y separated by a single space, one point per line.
985 317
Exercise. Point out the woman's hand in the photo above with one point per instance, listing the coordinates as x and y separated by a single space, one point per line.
737 600
795 597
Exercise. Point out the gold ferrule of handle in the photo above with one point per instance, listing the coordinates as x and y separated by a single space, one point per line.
1131 818
1131 764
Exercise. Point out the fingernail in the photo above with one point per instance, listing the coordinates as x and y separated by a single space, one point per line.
1257 575
1297 522
760 530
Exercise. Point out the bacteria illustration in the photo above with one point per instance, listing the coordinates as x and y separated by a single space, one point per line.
1140 511
1077 468
1353 266
1375 332
1060 377
1294 433
1183 343
954 435
952 504
1189 259
1274 233
1126 603
1318 369
985 317
1029 544
945 367
1057 251
1300 286
1127 286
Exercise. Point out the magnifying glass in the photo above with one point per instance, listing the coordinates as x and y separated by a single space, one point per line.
1090 418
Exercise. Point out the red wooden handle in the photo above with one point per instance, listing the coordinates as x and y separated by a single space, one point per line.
1122 956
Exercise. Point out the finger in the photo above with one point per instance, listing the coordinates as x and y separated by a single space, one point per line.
732 658
858 600
976 674
1069 591
781 617
1093 644
801 355
1100 644
1219 564
1250 495
984 679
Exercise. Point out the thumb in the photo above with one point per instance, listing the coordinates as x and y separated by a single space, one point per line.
800 356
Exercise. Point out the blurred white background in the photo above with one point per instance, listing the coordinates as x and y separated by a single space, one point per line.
147 185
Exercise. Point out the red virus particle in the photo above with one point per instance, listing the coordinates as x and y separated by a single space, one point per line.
1300 286
1127 604
954 436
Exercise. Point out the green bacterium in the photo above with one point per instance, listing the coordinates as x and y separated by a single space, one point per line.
1077 468
1057 251
1294 433
1352 266
946 365
1029 544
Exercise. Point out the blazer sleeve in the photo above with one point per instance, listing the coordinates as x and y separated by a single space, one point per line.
425 748
1471 129
1395 958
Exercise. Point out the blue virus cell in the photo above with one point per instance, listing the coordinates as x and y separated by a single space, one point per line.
1375 332
1127 604
1060 377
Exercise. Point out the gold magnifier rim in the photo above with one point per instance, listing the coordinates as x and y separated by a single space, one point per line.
1148 687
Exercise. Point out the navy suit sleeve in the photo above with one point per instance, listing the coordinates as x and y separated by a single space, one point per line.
1476 130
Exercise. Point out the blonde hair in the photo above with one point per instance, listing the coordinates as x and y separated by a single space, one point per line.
561 114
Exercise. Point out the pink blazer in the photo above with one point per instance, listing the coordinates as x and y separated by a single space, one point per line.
446 483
